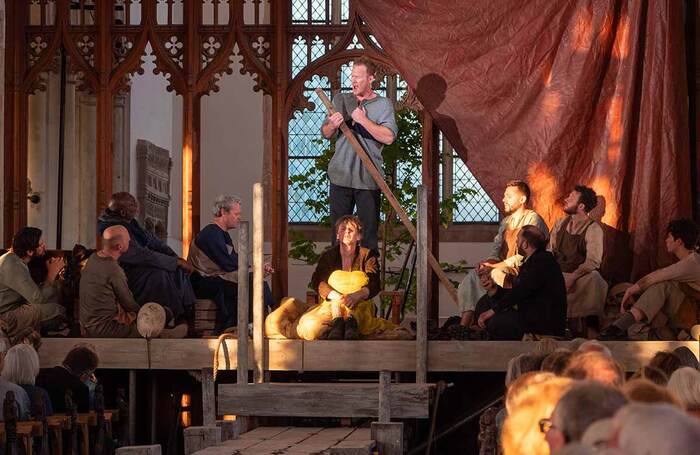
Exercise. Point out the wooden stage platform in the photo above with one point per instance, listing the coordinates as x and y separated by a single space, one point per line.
298 355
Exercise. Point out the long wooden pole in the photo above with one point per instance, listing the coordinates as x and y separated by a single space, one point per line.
422 287
243 310
403 216
258 304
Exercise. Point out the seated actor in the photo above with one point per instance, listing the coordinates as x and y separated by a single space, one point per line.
504 260
577 244
215 261
664 290
107 307
24 304
154 271
347 255
536 303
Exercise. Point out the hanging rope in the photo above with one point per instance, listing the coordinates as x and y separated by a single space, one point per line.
221 343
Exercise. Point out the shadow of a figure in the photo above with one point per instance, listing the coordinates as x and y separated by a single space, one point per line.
431 92
616 266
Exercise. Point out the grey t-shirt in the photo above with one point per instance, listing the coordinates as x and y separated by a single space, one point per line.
346 168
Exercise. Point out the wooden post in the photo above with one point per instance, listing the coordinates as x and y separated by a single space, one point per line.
10 416
243 310
430 168
384 396
389 437
422 288
279 162
208 397
379 180
132 407
258 301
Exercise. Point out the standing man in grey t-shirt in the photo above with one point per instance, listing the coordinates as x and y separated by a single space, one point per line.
371 118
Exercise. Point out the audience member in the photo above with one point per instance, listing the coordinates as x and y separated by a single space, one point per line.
21 397
524 428
557 361
645 391
687 357
684 384
154 271
594 346
598 434
504 259
521 364
21 366
577 244
664 290
595 366
665 361
215 261
76 371
536 304
655 429
23 304
653 374
583 404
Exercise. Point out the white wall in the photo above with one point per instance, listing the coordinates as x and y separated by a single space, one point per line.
156 116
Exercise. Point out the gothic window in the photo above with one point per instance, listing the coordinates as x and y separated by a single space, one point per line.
316 21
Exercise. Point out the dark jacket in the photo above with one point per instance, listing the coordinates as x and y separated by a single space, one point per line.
365 261
539 292
56 380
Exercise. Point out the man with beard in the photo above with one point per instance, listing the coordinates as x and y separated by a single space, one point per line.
371 118
664 291
503 262
577 243
154 271
23 304
536 304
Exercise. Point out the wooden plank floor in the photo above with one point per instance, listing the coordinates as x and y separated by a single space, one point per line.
297 355
287 441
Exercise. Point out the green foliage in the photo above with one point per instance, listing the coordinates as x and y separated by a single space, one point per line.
402 165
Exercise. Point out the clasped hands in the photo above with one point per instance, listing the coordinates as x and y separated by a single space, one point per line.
359 115
349 300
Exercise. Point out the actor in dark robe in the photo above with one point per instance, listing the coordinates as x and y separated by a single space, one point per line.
154 271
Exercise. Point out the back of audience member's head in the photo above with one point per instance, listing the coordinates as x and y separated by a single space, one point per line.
576 342
521 430
598 433
645 391
81 360
578 408
655 429
557 361
595 366
21 364
521 364
666 361
575 448
594 346
688 358
519 388
684 384
653 374
545 347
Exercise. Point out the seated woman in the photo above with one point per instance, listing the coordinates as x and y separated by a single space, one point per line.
346 278
21 367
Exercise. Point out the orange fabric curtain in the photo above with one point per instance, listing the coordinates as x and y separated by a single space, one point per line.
557 93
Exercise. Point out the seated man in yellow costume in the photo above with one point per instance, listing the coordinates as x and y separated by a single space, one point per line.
346 279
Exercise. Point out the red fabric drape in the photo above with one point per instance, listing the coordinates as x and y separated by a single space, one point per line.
558 93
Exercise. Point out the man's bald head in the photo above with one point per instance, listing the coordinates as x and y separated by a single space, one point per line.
125 204
115 240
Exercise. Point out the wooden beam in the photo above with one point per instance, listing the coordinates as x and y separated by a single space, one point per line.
322 400
259 346
379 180
243 310
279 163
430 181
364 355
422 270
384 396
388 437
208 397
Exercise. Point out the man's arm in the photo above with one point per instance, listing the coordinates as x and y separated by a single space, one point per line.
498 241
529 280
121 290
140 256
380 133
23 284
679 271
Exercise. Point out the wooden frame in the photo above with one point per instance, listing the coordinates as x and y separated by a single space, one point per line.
184 54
